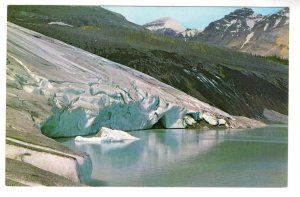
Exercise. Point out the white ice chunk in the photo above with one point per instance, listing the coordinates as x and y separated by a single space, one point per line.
107 135
189 120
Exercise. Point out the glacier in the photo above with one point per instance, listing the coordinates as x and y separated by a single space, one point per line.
85 92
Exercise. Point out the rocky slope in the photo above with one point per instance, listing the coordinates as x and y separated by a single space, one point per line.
246 31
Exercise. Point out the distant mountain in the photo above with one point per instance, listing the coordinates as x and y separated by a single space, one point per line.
246 31
171 27
166 26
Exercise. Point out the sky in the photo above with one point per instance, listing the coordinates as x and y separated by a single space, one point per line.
189 17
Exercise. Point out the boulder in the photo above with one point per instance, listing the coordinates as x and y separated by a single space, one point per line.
210 119
189 120
221 121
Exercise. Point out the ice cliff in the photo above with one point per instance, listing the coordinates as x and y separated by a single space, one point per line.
86 92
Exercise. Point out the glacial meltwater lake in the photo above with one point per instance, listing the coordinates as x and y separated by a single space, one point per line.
201 158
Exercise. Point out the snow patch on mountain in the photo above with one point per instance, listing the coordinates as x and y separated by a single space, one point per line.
277 22
250 23
286 22
249 36
253 19
266 26
229 24
191 32
60 23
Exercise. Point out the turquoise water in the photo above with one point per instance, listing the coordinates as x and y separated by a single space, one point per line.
179 157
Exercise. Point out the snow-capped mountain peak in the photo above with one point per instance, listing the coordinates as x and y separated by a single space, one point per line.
166 25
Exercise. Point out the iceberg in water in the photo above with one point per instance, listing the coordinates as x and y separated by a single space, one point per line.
107 135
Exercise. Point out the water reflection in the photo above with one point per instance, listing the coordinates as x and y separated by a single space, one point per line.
159 152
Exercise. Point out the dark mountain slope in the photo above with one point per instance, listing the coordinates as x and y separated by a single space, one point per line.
234 82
